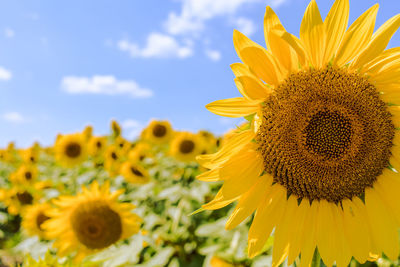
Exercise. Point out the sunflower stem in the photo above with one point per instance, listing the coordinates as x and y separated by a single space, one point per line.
316 261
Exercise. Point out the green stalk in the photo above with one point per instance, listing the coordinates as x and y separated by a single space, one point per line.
316 261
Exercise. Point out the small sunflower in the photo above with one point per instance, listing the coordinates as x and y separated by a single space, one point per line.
34 217
112 160
115 129
139 152
186 146
90 221
315 160
26 173
70 150
18 198
122 144
88 132
96 146
30 155
158 132
134 173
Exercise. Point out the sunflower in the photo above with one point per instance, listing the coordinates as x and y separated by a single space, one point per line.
134 173
112 160
90 221
30 155
139 152
70 150
158 132
34 217
115 129
88 132
18 198
96 146
209 141
186 146
122 144
26 173
315 162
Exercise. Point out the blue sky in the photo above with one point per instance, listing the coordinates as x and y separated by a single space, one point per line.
65 64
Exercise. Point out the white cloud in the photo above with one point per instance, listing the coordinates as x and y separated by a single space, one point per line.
214 55
5 74
194 13
131 128
9 33
158 46
13 117
245 26
107 85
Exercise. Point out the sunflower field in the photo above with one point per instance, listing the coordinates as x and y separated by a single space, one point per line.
108 201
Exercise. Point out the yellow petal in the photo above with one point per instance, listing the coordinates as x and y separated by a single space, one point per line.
309 235
298 229
382 62
241 172
326 234
343 255
379 41
388 188
234 107
395 111
257 58
355 229
267 215
218 202
271 21
209 176
383 227
231 147
312 34
335 26
356 37
249 201
282 232
295 44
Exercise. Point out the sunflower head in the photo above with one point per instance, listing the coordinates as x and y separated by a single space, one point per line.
115 128
25 174
112 159
134 173
158 132
18 198
88 132
313 161
90 221
34 217
186 146
70 149
122 144
30 155
139 152
97 146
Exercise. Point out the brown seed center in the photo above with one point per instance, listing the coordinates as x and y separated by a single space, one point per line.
325 134
73 150
186 146
96 225
159 130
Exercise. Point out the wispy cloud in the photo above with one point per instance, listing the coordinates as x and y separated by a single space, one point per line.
214 55
106 85
13 117
5 74
158 45
245 26
9 33
131 128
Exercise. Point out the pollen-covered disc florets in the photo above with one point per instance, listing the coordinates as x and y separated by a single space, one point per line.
325 134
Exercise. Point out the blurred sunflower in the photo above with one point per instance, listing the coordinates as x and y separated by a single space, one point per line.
186 146
87 132
70 149
30 155
134 173
90 221
34 217
17 199
112 160
96 146
26 173
158 132
314 164
115 128
122 144
139 152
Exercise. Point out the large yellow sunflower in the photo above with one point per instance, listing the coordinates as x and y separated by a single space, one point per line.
70 149
315 162
90 221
